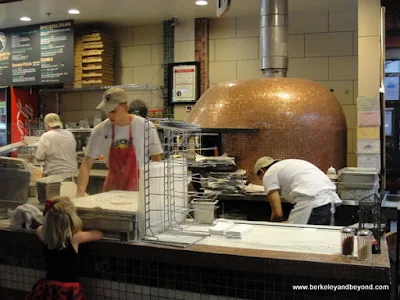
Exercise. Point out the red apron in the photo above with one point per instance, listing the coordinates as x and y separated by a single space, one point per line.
123 171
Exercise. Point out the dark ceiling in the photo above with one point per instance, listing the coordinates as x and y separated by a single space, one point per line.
392 16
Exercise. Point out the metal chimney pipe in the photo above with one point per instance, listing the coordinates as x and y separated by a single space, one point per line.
273 37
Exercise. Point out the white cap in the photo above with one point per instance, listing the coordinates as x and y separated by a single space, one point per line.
112 98
263 162
53 120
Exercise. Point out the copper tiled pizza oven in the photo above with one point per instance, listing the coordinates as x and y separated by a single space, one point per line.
275 116
291 118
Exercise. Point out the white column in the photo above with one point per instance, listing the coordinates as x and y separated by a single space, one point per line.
369 47
369 71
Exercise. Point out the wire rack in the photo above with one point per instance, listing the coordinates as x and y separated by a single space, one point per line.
180 145
370 217
127 87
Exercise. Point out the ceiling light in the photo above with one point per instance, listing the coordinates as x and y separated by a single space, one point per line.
74 12
25 19
201 2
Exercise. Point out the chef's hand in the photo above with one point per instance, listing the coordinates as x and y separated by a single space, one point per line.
80 194
276 218
83 176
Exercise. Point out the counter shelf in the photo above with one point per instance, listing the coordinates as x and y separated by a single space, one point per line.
233 271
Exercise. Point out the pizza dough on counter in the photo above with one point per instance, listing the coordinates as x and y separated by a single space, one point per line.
114 201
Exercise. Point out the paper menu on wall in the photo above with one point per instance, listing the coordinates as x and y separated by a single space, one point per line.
369 118
369 161
368 133
369 146
368 104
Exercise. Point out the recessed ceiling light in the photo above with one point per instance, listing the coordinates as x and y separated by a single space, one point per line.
74 12
25 19
201 2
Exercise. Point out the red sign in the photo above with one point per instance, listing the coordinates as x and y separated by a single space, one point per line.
24 107
184 71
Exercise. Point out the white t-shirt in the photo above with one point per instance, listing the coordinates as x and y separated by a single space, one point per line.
101 137
57 148
296 179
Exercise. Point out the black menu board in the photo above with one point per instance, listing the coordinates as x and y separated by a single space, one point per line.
37 54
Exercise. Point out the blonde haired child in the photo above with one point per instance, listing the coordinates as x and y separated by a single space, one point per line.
61 234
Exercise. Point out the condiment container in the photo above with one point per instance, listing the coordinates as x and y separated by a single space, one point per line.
331 171
364 244
204 211
347 235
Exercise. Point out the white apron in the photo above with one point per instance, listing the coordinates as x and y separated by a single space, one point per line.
301 212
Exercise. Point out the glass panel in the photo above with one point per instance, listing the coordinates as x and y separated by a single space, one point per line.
392 66
392 90
389 122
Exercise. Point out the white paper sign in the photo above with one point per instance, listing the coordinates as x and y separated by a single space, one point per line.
369 118
369 146
369 161
368 104
184 88
392 89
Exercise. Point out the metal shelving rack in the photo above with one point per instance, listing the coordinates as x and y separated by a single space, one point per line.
146 172
175 195
370 217
126 87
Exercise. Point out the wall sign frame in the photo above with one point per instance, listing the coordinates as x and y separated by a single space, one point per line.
183 82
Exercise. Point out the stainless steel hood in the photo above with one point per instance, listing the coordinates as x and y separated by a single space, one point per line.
273 38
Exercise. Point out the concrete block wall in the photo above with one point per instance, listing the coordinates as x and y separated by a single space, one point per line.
139 54
323 46
77 106
184 51
139 60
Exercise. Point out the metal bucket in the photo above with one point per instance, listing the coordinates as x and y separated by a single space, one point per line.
46 191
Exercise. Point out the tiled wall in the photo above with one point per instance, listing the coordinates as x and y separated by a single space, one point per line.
168 58
106 277
322 47
139 279
201 51
113 270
